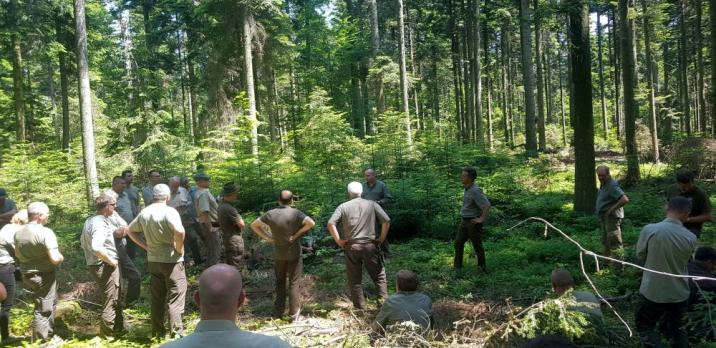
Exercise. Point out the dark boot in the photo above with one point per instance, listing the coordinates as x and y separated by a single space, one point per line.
4 326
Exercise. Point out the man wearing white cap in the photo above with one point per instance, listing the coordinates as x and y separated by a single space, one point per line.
357 218
164 242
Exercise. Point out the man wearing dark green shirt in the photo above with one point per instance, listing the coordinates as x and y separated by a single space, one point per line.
231 224
610 210
7 208
700 202
475 209
375 190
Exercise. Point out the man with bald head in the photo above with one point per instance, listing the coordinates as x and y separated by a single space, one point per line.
610 210
287 226
357 238
219 297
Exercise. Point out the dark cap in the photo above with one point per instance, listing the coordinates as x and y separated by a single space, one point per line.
201 177
229 188
3 193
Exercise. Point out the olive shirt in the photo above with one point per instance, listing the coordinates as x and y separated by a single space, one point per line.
225 333
406 306
7 243
667 247
473 200
32 244
98 235
700 203
158 222
608 195
284 222
378 193
357 218
133 194
148 195
205 201
228 215
124 207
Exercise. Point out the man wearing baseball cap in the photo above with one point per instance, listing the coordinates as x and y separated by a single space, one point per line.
7 208
231 225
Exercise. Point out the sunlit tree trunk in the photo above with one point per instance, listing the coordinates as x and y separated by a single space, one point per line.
528 77
249 72
629 81
404 76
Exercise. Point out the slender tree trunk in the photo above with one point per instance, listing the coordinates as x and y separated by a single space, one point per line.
414 72
62 38
488 86
404 76
684 83
712 94
540 80
629 79
616 63
528 77
476 70
249 71
548 83
88 145
374 31
653 124
504 62
17 78
605 123
561 100
700 64
584 183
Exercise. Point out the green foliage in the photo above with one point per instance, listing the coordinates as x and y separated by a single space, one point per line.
554 317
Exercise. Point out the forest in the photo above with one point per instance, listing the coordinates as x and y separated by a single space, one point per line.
307 94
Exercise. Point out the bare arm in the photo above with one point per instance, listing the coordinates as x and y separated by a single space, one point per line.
308 224
623 200
705 217
179 235
384 227
239 222
258 227
483 214
334 233
55 256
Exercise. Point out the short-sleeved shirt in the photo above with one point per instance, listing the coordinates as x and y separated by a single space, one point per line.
700 203
357 218
133 194
191 211
7 243
667 247
205 202
608 195
124 207
98 235
148 195
32 243
378 193
9 205
228 215
473 200
225 333
180 199
406 306
588 304
158 222
284 222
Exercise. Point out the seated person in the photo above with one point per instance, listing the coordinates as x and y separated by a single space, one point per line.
406 305
703 265
587 303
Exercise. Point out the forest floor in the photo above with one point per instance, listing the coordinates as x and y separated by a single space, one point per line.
471 308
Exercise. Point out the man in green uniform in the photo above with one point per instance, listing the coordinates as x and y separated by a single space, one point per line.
666 247
39 255
207 213
700 202
408 304
610 210
164 234
287 226
475 209
375 190
231 224
131 190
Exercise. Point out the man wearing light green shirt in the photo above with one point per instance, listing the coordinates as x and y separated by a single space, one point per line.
666 247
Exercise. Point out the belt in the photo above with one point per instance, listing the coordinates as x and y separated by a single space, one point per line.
359 241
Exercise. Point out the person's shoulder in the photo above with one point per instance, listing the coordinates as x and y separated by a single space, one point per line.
257 340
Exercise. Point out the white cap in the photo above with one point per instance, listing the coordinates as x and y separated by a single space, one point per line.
161 190
355 188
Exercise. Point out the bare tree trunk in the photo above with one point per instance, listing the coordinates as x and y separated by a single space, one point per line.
476 70
650 82
605 123
404 77
529 78
712 95
17 78
700 65
684 83
540 81
416 90
488 85
629 79
249 71
504 62
62 38
616 58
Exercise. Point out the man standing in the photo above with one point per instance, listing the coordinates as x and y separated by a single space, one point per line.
122 215
666 247
164 234
475 209
131 190
610 210
7 208
700 202
357 218
231 224
207 212
287 226
98 243
219 297
155 177
376 190
39 255
181 201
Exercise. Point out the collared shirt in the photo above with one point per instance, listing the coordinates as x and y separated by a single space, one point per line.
180 199
205 202
406 306
284 222
588 304
115 221
473 200
227 216
357 218
124 207
666 246
608 195
700 203
377 193
148 195
133 194
158 222
97 235
225 333
32 244
7 243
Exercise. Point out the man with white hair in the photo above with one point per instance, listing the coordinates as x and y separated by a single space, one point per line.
39 255
357 218
164 242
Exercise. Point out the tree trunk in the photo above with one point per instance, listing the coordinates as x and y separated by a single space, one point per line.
88 146
249 71
375 33
629 79
18 84
404 76
561 100
616 59
712 95
653 125
414 72
505 63
540 80
684 80
62 39
584 184
548 83
605 123
700 65
488 86
476 70
529 78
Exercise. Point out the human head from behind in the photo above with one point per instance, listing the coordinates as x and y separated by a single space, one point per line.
678 208
174 183
128 176
285 198
161 193
406 281
369 176
118 184
38 212
355 189
155 177
20 218
561 281
104 204
202 180
220 293
468 176
706 257
230 192
603 174
685 180
184 181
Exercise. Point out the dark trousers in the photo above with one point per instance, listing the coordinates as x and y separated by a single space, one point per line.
191 241
293 270
359 256
107 278
7 278
168 291
212 241
473 232
43 287
234 253
129 273
649 313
